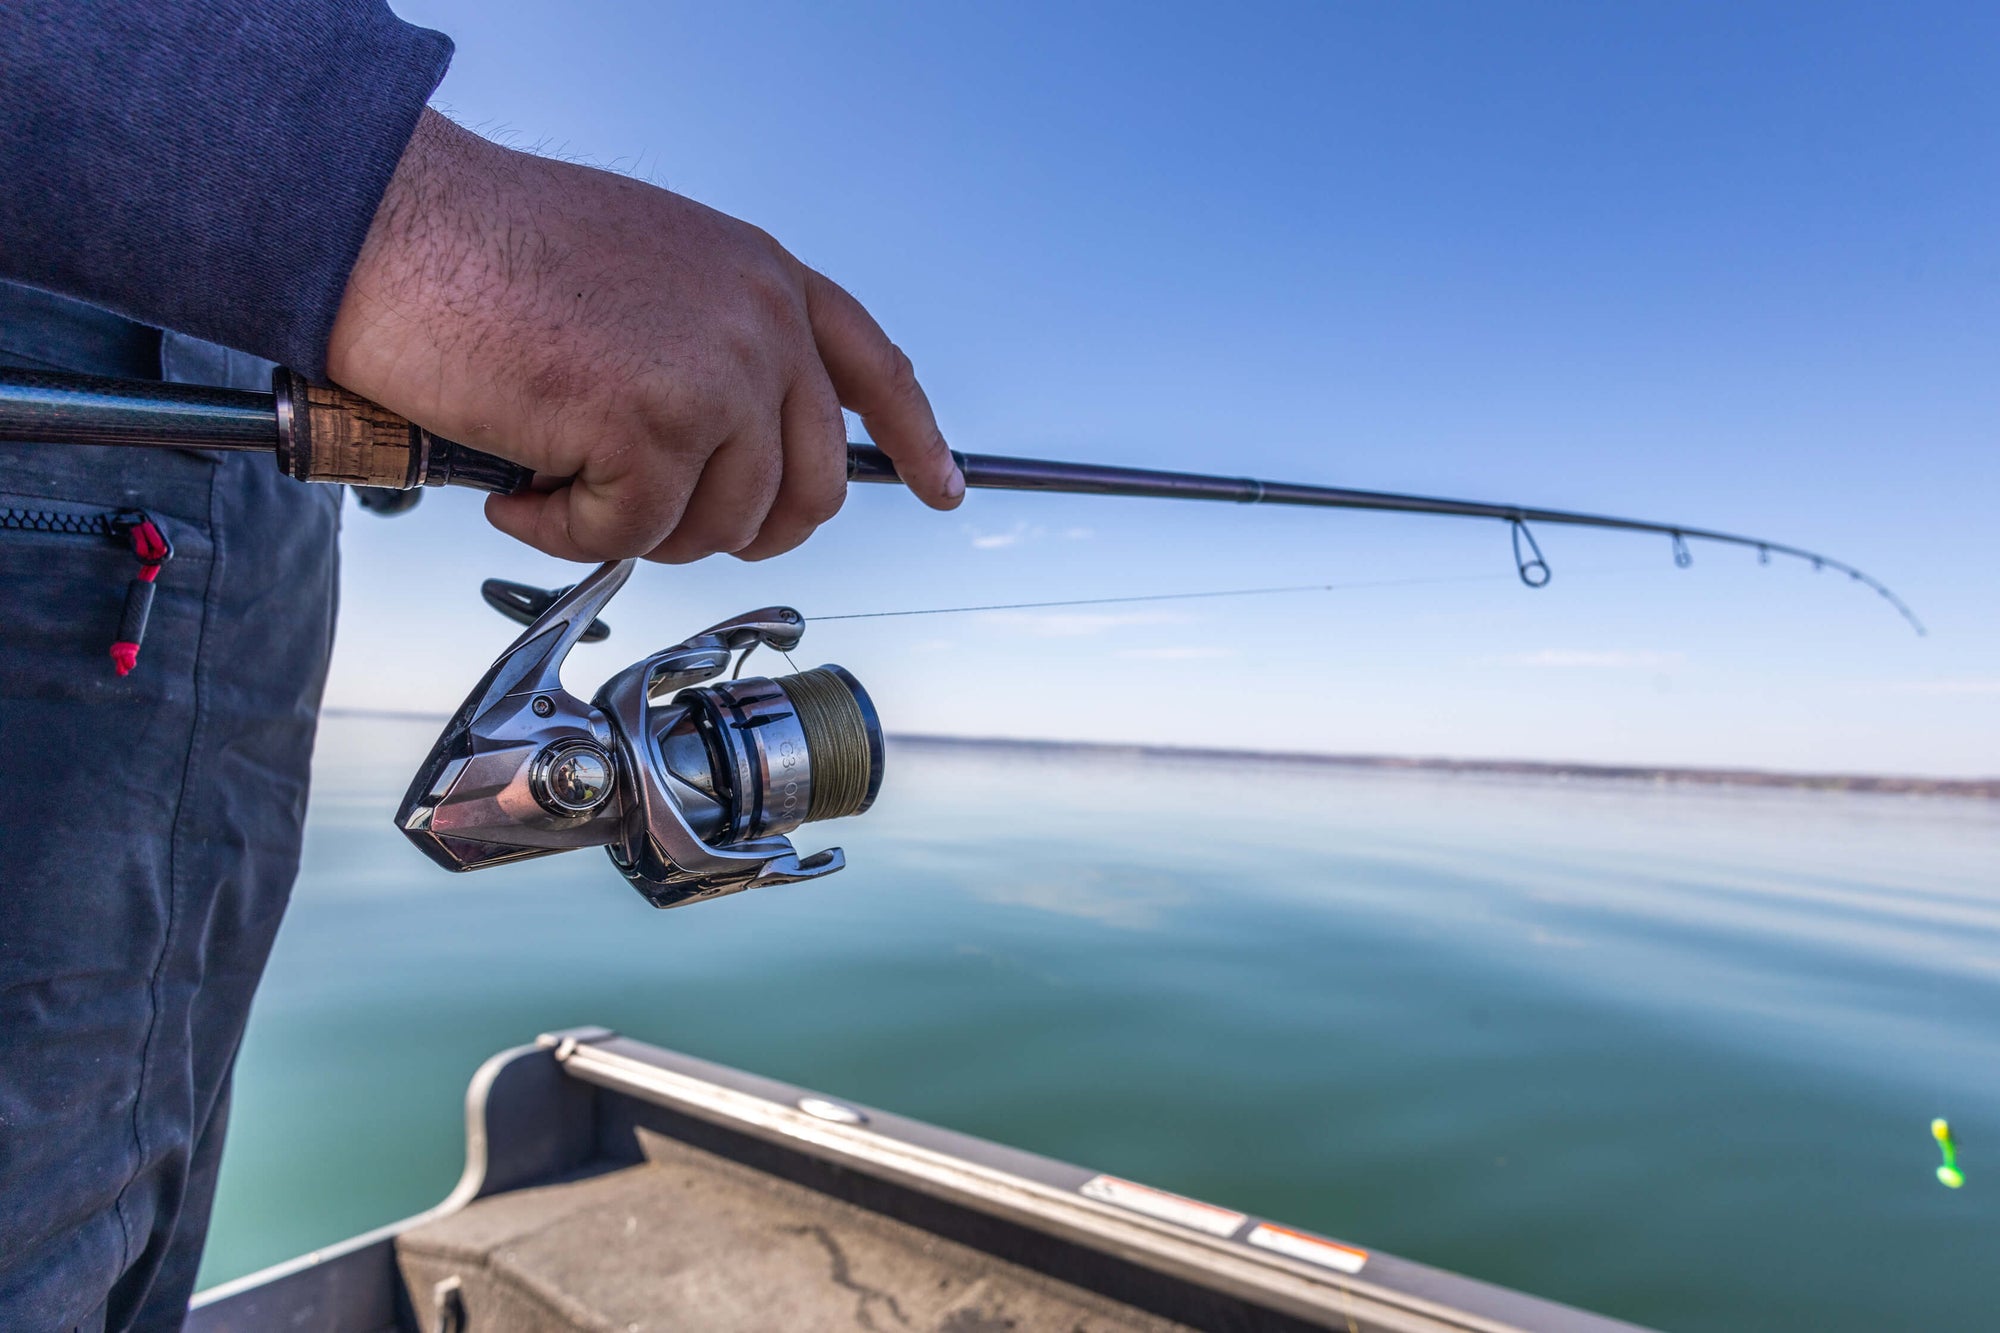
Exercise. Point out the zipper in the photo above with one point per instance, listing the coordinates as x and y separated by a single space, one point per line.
132 529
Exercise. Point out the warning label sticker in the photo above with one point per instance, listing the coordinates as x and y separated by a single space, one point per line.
1167 1207
1298 1245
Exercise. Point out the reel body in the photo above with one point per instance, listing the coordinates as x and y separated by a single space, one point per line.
689 786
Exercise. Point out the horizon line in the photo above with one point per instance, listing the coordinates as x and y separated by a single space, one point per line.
1879 783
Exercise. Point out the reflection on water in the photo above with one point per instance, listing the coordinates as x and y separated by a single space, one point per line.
1669 1053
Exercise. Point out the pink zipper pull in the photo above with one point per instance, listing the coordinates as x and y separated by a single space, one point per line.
150 544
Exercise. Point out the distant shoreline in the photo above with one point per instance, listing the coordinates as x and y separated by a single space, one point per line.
1890 784
1885 784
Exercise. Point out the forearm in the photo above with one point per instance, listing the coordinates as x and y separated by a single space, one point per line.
211 166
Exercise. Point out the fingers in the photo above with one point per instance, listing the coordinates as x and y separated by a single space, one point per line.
764 490
738 486
815 480
872 376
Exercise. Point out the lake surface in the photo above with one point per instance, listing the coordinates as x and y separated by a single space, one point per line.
1670 1053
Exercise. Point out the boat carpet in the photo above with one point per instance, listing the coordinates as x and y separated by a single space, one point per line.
690 1240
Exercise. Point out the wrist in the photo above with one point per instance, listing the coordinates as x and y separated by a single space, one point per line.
414 253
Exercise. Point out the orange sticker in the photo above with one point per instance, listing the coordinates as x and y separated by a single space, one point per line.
1298 1245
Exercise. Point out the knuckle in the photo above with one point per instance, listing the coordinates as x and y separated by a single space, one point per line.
899 375
717 531
780 260
744 367
939 451
775 294
739 537
597 543
765 550
774 301
625 521
683 545
822 504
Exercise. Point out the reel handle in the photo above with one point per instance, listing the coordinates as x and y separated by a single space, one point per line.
327 434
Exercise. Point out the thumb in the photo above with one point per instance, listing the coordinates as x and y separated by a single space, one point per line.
581 521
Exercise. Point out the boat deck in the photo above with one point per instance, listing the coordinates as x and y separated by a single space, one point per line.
726 1248
614 1187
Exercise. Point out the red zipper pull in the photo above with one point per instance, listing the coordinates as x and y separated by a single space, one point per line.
150 544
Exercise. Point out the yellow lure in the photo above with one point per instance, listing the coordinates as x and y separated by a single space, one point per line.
1948 1175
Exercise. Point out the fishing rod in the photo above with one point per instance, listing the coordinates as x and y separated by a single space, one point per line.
998 473
326 434
689 781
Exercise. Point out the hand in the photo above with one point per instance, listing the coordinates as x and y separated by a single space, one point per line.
673 375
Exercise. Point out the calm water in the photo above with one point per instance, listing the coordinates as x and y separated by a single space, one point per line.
1670 1054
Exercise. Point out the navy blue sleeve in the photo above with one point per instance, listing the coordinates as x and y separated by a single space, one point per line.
210 166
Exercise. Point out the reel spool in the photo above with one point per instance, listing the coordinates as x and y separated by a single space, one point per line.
689 786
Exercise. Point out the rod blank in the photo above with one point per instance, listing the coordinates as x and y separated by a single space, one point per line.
53 407
865 463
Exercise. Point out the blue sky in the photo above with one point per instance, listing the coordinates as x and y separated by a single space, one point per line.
1728 265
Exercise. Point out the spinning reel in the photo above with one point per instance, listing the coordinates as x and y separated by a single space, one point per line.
690 786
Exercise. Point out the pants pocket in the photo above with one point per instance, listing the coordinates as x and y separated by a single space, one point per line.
96 602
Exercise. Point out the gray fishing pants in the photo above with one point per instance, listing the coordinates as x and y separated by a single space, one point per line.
149 825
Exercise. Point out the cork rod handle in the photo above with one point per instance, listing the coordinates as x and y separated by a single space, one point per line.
327 434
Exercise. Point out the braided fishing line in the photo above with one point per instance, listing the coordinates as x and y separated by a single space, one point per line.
1165 597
